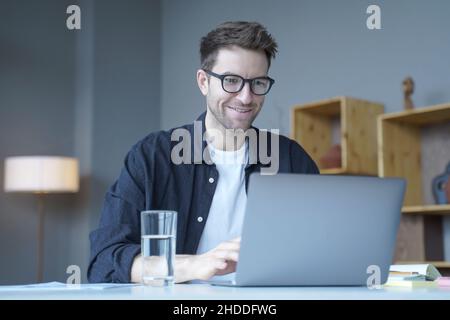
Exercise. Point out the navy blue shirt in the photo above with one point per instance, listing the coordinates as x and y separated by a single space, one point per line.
149 180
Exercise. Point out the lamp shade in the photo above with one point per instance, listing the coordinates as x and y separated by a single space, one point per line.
41 174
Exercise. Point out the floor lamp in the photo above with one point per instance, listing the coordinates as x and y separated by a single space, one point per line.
41 175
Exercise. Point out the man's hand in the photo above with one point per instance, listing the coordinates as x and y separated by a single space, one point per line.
218 261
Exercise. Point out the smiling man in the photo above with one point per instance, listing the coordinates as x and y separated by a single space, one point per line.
210 196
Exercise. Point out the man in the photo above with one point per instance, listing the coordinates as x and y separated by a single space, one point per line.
209 195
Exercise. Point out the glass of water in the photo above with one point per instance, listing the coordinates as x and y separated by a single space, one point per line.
158 241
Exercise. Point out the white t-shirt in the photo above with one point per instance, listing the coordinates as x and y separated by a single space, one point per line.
226 214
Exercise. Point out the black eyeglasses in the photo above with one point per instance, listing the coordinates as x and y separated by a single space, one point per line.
233 83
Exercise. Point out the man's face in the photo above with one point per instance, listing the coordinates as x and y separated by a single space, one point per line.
234 110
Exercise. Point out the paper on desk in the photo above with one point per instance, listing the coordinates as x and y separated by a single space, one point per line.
63 286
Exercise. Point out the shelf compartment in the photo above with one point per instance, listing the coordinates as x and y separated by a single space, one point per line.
312 128
400 155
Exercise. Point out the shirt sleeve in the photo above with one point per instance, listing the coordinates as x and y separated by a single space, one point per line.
116 242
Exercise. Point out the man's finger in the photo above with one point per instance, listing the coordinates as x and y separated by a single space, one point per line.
220 264
227 255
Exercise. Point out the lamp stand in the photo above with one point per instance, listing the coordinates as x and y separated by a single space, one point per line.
40 233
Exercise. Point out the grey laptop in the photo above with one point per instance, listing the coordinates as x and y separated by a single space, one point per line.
317 230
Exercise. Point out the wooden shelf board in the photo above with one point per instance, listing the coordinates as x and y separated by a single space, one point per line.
421 116
329 107
333 171
443 209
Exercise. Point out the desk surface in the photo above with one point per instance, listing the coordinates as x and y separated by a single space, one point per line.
208 292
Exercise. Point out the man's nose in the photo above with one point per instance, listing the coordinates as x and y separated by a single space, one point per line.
245 95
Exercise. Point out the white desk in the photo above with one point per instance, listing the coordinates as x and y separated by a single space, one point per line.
207 292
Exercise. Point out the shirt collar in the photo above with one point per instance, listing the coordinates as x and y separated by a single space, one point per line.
198 145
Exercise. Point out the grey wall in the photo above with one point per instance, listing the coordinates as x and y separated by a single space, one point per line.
91 94
36 107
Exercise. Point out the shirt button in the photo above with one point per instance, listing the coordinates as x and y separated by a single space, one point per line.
211 180
199 219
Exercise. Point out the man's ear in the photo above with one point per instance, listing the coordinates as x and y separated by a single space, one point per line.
202 81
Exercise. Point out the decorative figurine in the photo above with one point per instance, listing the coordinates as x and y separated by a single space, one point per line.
408 90
441 187
332 159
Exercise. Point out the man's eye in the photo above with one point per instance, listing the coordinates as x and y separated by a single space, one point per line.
261 83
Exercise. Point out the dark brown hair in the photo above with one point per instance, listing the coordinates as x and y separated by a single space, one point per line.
247 35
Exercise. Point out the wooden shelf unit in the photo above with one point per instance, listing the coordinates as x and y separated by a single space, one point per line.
312 126
399 155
